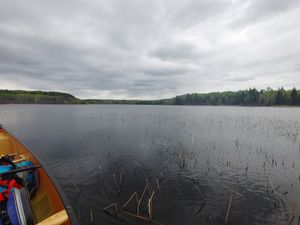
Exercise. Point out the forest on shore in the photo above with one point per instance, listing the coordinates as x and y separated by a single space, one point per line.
249 97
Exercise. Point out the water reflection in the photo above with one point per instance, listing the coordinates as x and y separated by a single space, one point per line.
196 160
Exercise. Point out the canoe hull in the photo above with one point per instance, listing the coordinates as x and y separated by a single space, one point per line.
49 198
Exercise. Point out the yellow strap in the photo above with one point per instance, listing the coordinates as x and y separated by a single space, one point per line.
56 219
21 158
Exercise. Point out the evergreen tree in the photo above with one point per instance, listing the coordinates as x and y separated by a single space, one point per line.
279 99
294 96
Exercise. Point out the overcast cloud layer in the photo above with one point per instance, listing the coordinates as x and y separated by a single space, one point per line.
148 49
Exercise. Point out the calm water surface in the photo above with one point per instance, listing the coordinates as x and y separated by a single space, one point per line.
191 158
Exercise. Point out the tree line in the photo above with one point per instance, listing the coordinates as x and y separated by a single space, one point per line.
252 96
35 97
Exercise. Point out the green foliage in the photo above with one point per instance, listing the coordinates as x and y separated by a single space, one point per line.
294 97
249 97
35 97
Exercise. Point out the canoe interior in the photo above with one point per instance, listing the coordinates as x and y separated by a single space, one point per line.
46 201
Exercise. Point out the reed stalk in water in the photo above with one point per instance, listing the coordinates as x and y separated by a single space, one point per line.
228 208
76 187
142 217
141 198
136 163
111 205
150 206
271 184
134 194
79 214
157 184
232 190
91 217
100 169
291 219
292 207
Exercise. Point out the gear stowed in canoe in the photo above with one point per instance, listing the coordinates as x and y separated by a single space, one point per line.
28 195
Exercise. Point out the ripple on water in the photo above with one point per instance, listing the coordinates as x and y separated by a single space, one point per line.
103 154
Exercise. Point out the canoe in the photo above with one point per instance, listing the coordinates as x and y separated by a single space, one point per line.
47 202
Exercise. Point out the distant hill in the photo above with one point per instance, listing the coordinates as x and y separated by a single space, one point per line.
35 97
251 97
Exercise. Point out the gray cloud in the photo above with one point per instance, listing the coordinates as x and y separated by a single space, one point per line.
176 51
238 79
148 49
188 13
259 10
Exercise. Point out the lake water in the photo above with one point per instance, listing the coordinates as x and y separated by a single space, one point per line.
192 158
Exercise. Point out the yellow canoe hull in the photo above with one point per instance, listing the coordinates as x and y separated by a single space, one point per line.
47 201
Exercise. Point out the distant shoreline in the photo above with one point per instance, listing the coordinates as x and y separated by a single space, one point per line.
249 97
87 104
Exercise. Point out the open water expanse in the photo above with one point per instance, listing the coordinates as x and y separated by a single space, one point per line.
200 164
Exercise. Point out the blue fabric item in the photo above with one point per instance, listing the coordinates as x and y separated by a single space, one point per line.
11 210
5 168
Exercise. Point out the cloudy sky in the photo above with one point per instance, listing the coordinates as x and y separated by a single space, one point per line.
148 49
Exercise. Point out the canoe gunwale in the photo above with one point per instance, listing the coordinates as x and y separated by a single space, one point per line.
61 193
